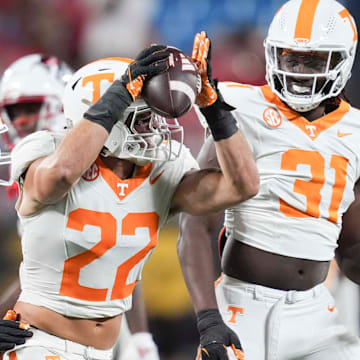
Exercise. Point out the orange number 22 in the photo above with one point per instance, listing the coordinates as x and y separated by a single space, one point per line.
70 285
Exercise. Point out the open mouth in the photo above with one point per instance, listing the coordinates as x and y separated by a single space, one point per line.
299 89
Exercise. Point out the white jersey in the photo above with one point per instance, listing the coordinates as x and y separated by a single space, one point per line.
83 255
307 174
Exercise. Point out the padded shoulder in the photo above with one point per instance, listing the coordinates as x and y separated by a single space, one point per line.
31 148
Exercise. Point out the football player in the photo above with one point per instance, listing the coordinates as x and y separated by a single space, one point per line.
277 246
92 201
31 92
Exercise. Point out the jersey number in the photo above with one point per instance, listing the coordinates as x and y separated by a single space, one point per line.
312 188
107 223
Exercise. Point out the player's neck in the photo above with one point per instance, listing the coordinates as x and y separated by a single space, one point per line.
124 169
314 114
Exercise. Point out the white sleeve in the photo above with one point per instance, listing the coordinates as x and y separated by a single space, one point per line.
31 148
173 173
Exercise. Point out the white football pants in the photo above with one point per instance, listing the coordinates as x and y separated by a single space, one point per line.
43 346
285 325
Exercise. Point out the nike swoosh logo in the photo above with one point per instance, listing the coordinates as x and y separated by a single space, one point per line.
331 308
341 134
156 178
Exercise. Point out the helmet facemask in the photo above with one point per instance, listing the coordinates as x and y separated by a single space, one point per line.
320 38
142 136
303 79
29 114
31 91
5 160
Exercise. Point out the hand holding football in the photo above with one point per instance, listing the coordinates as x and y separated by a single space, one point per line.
172 94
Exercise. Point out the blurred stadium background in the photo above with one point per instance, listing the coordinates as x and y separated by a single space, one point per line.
79 31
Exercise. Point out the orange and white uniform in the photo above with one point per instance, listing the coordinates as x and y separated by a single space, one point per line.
307 174
83 255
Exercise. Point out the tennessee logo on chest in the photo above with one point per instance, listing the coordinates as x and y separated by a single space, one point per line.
120 187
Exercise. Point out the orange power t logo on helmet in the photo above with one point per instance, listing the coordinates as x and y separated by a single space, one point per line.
346 15
96 81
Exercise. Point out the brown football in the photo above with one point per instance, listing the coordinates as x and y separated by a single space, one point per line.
172 94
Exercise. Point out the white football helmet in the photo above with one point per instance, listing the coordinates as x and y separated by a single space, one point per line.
323 28
34 79
140 135
5 158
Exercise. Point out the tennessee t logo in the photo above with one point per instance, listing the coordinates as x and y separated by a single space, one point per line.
346 15
235 310
311 129
96 80
122 187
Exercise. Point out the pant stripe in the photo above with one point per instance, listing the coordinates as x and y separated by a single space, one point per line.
12 356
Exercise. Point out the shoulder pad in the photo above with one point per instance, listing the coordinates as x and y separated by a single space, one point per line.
31 148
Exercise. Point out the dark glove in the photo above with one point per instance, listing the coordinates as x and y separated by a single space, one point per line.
150 62
215 336
11 334
121 93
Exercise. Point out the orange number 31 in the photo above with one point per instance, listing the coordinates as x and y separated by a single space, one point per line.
312 188
107 223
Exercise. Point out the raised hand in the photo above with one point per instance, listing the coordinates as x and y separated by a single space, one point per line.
150 62
201 55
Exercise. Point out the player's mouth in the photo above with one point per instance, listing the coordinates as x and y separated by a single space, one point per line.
300 87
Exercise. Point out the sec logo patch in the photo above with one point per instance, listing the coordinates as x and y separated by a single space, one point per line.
92 173
272 117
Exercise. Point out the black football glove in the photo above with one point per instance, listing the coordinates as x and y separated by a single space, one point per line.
150 62
215 336
11 334
122 92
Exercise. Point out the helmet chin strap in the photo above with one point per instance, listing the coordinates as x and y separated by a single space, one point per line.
302 108
138 161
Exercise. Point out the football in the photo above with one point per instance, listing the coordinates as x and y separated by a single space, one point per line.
172 94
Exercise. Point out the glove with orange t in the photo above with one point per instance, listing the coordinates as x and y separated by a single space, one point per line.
110 107
12 332
215 337
210 101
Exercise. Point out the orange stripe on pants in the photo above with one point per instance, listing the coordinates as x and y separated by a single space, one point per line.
305 19
12 356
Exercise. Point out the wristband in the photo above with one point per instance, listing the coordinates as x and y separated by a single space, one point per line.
221 122
208 318
110 107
